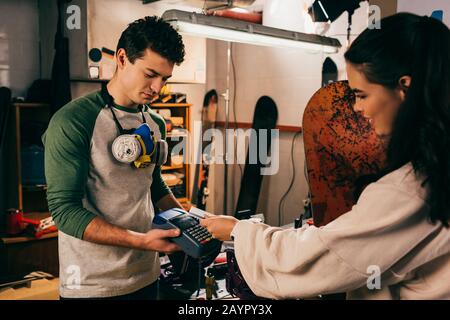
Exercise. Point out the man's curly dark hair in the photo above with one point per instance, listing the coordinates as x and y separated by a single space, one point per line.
152 33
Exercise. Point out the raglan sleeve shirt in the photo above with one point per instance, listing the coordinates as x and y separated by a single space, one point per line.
67 146
67 153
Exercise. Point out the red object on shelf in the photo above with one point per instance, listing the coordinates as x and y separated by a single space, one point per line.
252 17
16 223
46 225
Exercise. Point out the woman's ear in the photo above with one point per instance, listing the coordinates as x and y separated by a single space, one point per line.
403 85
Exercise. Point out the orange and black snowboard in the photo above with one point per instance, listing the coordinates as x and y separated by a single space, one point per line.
340 147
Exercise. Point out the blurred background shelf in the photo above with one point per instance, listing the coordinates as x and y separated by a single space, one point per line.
173 167
26 190
173 170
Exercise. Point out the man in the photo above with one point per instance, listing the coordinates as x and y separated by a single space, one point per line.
103 207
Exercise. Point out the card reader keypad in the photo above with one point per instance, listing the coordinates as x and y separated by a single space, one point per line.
200 234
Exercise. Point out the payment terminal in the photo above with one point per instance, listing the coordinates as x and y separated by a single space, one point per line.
194 239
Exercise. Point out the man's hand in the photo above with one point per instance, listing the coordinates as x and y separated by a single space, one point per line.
101 232
157 240
219 226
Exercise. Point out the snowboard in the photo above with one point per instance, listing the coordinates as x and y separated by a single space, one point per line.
340 148
200 190
329 72
265 117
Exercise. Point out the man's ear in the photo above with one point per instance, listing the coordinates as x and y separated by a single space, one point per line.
121 58
403 84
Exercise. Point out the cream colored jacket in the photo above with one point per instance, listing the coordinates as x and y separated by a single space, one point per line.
384 248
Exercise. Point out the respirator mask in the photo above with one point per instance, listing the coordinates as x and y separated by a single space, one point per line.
139 146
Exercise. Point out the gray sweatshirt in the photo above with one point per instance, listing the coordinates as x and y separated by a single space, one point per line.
85 181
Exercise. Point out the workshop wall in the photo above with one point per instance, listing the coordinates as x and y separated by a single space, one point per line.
19 45
290 77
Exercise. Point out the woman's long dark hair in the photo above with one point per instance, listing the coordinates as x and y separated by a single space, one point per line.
419 47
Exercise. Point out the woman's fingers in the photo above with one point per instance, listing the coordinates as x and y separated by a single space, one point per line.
220 227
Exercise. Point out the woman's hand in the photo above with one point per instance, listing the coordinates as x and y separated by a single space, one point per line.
219 226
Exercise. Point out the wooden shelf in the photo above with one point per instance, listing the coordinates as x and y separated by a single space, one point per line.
166 168
36 215
172 105
247 125
21 239
30 105
34 187
24 253
178 110
177 135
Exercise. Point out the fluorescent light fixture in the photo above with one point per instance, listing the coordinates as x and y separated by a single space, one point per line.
225 29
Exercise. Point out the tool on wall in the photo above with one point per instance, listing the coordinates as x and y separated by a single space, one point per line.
100 68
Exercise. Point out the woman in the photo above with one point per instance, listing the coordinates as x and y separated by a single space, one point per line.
395 242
